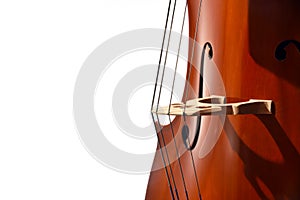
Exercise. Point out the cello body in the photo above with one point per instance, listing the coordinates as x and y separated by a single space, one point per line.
256 51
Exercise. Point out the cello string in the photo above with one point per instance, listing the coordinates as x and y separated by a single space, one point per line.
186 95
180 165
177 57
158 101
168 158
192 56
161 53
195 172
163 159
189 74
172 91
166 56
154 94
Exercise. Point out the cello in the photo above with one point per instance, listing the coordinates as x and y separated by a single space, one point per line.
237 136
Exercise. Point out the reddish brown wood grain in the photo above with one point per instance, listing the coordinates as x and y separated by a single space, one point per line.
256 156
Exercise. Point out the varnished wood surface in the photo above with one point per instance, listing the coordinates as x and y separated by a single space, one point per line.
255 156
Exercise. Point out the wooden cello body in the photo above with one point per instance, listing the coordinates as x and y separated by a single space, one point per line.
256 49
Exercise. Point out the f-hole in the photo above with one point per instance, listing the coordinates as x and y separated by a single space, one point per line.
280 53
185 129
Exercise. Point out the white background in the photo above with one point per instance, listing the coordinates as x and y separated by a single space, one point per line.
42 47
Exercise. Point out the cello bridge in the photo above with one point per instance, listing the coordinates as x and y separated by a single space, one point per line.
216 105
